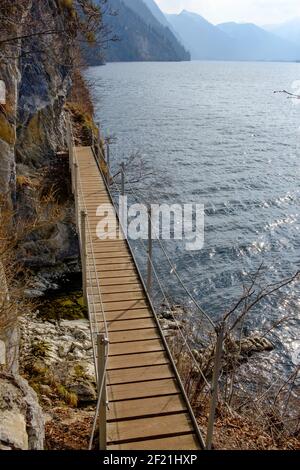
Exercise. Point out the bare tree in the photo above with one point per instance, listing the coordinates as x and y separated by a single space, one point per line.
77 23
270 405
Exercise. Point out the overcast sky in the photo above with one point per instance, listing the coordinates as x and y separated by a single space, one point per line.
255 11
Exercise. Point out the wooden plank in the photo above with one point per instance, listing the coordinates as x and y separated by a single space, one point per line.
123 262
121 325
106 243
129 314
92 208
134 335
124 305
148 427
124 255
183 442
133 347
94 220
95 198
115 274
109 235
117 289
114 281
96 195
128 325
134 375
109 250
107 214
94 191
145 407
101 246
137 360
112 266
120 296
102 221
99 296
142 389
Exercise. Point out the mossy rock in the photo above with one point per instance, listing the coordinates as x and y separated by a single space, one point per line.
83 122
64 307
68 4
34 129
7 131
41 376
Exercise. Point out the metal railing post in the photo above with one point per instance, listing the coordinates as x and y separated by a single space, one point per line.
99 131
102 342
92 139
76 192
69 142
215 385
108 163
149 251
71 151
123 179
83 254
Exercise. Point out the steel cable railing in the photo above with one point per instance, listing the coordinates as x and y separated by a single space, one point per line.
161 331
218 329
90 270
173 267
91 300
162 289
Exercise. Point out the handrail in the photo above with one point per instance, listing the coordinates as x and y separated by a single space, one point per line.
159 281
80 206
183 391
174 270
217 328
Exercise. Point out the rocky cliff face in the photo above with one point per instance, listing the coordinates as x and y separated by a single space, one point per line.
32 132
44 84
21 417
43 88
10 75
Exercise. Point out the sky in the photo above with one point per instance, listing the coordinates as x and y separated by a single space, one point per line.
261 12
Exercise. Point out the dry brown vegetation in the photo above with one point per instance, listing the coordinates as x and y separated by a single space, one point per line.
69 429
254 411
15 279
80 93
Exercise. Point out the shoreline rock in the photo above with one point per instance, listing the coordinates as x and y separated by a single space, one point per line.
21 417
62 349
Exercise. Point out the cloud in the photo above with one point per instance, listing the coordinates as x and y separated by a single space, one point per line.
256 11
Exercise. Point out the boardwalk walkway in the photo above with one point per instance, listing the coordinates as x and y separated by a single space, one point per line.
147 405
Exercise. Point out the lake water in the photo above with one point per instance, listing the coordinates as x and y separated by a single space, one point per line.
215 133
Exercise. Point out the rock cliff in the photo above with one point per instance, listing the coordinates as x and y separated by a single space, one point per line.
37 77
36 73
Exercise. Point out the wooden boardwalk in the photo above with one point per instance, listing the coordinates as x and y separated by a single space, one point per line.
147 406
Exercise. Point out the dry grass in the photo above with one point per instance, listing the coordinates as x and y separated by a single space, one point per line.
251 413
80 93
69 429
14 278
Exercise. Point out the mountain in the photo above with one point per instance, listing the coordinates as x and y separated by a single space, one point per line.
254 43
231 41
141 36
289 31
201 38
156 12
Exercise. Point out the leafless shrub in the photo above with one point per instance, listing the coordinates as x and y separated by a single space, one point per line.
246 399
14 278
